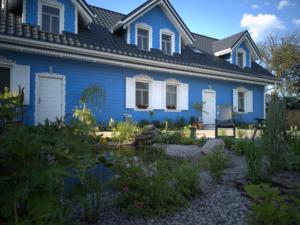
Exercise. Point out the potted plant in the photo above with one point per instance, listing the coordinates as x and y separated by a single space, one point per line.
142 106
199 108
171 107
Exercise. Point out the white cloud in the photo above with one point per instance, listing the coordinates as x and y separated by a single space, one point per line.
282 4
261 24
255 6
296 22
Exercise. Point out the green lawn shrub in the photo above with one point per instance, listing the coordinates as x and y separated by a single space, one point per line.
228 141
217 163
125 131
201 142
175 137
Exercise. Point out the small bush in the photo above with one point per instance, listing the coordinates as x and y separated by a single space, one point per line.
125 131
201 142
254 156
228 141
270 208
217 163
239 146
143 123
84 121
173 138
154 188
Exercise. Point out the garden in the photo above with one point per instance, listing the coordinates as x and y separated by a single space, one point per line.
65 173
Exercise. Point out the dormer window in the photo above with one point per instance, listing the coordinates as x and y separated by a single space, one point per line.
166 44
50 19
143 39
51 16
241 58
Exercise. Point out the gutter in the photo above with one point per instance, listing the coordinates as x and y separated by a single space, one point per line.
38 47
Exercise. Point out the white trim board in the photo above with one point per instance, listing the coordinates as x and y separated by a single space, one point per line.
124 61
49 75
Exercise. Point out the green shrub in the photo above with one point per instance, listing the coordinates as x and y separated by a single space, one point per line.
228 141
239 146
143 123
180 123
270 208
201 142
274 135
173 138
34 162
155 187
125 131
217 163
254 156
85 121
240 133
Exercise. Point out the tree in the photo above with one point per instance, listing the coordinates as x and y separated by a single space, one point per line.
281 55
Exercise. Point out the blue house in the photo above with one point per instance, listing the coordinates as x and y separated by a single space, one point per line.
147 60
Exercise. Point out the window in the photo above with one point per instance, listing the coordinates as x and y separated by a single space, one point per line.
166 44
241 101
240 59
142 95
143 39
4 79
50 19
171 97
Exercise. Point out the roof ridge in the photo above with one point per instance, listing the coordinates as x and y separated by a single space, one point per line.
205 36
244 31
98 7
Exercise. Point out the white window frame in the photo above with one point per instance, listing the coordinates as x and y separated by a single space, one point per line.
170 33
242 51
143 79
145 27
244 90
176 83
238 105
54 4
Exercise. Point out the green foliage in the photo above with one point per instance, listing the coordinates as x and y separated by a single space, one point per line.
254 156
274 134
33 164
201 142
178 138
154 187
217 163
269 208
93 96
239 146
229 141
125 131
240 133
85 121
143 123
293 159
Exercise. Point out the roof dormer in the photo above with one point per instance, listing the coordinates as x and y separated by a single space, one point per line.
239 49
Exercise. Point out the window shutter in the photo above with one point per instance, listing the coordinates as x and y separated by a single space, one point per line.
20 76
235 100
157 94
249 101
130 93
183 96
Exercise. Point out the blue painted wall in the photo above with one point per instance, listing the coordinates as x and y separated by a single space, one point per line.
32 14
243 46
157 19
80 75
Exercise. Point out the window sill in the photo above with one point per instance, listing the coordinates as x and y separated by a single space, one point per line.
242 113
172 110
142 110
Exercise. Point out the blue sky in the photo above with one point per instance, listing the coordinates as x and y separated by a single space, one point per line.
221 18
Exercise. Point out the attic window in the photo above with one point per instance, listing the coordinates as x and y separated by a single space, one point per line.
143 39
166 44
50 19
240 59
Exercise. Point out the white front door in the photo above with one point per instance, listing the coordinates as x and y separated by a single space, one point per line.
209 108
49 98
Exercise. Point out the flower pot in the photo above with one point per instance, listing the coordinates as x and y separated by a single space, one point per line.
200 125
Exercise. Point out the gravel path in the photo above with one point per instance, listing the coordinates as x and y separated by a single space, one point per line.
219 204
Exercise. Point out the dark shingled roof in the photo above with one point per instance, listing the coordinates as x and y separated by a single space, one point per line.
227 42
99 38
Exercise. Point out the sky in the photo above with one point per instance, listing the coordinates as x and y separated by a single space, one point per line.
222 18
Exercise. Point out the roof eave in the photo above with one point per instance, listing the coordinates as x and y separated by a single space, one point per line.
84 11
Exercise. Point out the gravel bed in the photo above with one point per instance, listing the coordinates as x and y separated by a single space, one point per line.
218 204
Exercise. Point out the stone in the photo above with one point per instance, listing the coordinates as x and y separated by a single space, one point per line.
286 180
211 145
147 135
183 151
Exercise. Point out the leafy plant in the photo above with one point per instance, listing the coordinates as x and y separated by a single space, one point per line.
228 141
125 131
254 156
217 163
270 208
155 187
274 135
240 133
93 96
85 121
174 138
201 142
239 146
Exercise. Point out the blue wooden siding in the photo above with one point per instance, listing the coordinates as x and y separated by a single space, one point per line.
32 14
242 46
80 75
157 19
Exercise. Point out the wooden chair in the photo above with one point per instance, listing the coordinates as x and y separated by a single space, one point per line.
224 119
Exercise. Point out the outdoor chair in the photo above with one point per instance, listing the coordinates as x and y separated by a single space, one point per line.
224 119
